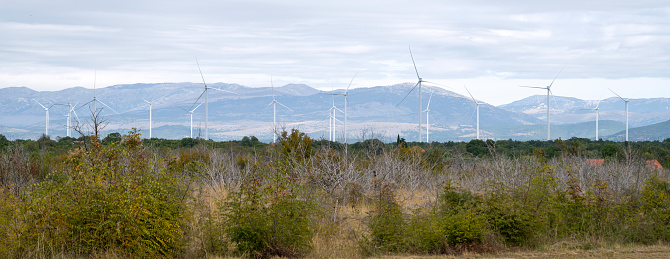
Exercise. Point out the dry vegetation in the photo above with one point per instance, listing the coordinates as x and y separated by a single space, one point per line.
290 200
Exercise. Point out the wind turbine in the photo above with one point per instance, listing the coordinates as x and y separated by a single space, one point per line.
427 110
626 100
477 103
46 132
346 100
205 92
548 88
597 109
150 106
332 119
95 100
69 117
190 112
274 111
410 91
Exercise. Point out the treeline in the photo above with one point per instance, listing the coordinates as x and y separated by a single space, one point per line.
582 147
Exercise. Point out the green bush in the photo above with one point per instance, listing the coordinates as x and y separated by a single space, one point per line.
515 224
110 198
424 233
271 214
462 215
656 206
387 223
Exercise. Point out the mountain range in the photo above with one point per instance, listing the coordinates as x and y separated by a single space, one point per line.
377 112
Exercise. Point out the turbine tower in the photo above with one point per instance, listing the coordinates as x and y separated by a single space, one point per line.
205 92
274 112
427 110
597 109
548 88
46 132
150 105
626 100
477 103
190 112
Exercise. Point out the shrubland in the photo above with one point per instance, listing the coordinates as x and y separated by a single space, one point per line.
123 196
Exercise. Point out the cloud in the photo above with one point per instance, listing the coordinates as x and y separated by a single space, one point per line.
52 44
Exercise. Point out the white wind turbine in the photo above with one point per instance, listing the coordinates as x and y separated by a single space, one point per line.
626 100
205 92
410 91
46 132
274 111
69 118
477 103
332 119
150 106
548 88
427 110
597 109
95 100
346 100
190 112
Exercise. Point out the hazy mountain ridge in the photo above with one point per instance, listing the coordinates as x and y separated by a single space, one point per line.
247 111
568 110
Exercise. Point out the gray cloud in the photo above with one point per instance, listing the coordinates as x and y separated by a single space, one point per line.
55 44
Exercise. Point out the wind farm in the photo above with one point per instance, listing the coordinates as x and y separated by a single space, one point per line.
449 115
303 130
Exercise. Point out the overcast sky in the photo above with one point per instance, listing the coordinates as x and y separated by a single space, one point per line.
490 46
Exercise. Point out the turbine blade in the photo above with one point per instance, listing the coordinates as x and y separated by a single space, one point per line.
284 106
352 80
417 71
197 107
536 87
430 82
559 72
203 77
429 98
222 90
75 115
85 104
108 106
617 95
410 91
40 104
473 98
553 99
196 100
273 88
